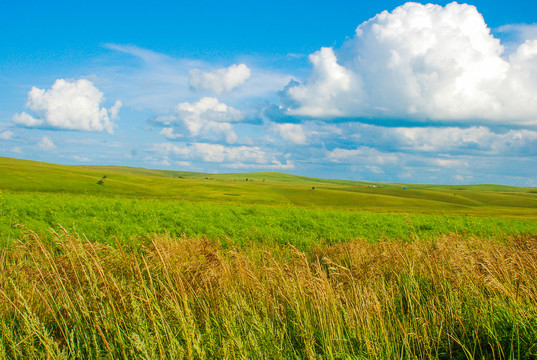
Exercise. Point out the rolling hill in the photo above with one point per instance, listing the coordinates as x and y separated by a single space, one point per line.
265 188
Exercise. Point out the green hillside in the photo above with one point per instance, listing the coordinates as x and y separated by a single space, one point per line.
268 188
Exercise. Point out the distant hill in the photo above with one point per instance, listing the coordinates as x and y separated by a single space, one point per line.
264 188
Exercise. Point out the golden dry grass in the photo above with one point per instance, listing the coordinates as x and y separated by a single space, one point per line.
67 297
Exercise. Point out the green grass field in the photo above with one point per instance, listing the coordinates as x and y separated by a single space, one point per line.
167 264
269 207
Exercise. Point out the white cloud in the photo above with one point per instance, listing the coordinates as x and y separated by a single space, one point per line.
526 31
462 179
449 163
430 139
471 140
164 162
73 105
6 135
362 154
204 118
234 157
157 80
293 133
422 62
275 165
183 163
374 169
220 80
215 153
207 109
46 144
81 158
26 120
327 89
114 110
514 34
169 133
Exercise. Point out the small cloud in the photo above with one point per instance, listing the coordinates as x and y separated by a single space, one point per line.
72 105
517 33
274 166
6 135
362 154
374 169
114 110
221 80
217 153
462 179
162 163
450 163
26 120
168 133
81 158
405 175
16 150
46 144
293 133
183 163
204 118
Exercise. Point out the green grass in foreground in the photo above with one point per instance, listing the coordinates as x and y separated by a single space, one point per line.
102 218
179 298
269 207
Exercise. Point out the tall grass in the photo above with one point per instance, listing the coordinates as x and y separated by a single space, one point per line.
102 218
67 297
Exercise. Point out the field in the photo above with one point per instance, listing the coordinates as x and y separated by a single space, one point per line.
167 264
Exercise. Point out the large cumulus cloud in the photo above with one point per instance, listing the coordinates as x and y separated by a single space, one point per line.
422 62
73 105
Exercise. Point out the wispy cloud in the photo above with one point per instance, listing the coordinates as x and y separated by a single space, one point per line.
513 35
159 81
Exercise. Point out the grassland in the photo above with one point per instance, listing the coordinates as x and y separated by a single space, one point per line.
166 264
269 207
190 298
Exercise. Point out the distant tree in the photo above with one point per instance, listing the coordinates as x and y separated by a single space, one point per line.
101 182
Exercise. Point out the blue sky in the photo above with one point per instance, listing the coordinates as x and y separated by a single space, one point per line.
380 91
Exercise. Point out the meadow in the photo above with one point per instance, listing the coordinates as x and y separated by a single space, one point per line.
165 264
127 219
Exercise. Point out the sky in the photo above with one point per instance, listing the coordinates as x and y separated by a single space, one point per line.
383 91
